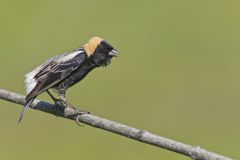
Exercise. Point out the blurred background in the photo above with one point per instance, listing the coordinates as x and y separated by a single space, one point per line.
178 76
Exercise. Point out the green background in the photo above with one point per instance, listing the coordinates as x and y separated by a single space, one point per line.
177 76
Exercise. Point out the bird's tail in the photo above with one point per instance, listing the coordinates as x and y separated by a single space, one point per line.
25 108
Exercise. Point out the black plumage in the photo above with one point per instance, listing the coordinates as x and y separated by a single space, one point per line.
65 70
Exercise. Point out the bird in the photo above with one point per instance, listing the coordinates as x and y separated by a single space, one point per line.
65 70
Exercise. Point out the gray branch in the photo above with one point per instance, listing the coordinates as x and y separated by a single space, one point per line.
195 152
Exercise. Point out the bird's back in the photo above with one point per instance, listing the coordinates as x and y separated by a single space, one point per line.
52 72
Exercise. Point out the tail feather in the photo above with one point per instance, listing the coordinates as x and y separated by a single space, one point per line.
25 108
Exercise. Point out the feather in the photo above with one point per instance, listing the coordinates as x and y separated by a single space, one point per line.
53 71
30 79
25 108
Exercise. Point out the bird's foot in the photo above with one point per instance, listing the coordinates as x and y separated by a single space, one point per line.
80 112
59 103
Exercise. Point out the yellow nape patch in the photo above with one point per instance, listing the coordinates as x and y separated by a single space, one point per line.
91 45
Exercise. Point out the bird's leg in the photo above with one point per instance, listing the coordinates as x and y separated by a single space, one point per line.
56 104
63 99
53 98
79 112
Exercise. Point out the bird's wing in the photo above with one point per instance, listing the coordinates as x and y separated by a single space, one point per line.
55 71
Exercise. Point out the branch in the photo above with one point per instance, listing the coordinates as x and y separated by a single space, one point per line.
195 152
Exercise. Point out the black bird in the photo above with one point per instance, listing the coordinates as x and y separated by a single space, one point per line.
65 70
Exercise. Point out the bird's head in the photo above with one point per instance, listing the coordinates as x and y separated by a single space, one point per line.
99 51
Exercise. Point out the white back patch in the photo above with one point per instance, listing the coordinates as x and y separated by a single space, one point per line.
30 81
29 77
30 86
69 56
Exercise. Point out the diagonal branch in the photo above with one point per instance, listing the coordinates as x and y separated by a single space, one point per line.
195 152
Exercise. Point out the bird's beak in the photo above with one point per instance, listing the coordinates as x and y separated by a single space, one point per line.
113 53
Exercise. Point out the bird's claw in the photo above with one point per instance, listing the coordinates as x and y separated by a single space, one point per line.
78 116
59 104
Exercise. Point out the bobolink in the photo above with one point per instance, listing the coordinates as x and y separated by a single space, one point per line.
65 70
